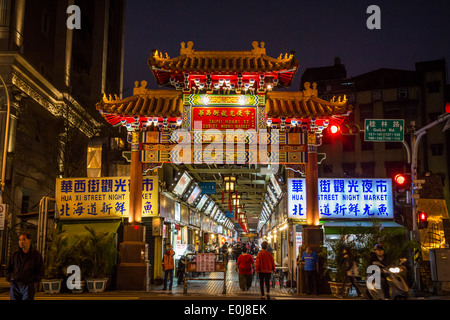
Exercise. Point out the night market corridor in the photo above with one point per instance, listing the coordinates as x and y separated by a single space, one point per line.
215 287
196 289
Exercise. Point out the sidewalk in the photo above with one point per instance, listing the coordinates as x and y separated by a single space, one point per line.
196 290
4 285
212 289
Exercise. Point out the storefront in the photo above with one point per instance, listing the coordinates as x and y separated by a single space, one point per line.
345 206
102 204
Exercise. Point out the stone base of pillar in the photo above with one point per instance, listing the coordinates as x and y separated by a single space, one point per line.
313 238
133 269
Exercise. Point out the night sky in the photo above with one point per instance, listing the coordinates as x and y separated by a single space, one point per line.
317 31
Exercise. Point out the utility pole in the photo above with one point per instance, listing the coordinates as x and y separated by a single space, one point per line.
416 136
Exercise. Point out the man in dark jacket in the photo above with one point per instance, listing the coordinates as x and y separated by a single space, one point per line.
24 270
378 257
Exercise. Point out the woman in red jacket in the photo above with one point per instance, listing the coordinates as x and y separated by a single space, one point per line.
264 265
244 265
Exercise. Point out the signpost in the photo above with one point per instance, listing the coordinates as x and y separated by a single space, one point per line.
384 130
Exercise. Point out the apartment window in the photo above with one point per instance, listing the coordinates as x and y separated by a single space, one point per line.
348 143
377 95
45 23
393 145
365 145
368 169
349 169
437 149
365 112
434 86
434 115
402 93
392 112
394 167
410 113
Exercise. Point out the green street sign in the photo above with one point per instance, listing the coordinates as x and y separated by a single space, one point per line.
384 130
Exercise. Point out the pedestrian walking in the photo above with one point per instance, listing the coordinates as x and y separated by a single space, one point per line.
310 263
24 270
244 265
168 266
264 265
225 253
351 271
285 269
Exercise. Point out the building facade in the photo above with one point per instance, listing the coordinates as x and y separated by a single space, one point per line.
54 75
416 96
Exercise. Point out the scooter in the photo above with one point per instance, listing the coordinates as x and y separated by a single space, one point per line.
398 289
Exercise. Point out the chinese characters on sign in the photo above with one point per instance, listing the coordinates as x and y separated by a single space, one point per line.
344 198
380 130
223 118
206 262
87 198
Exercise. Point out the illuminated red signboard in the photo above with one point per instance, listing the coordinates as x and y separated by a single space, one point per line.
224 118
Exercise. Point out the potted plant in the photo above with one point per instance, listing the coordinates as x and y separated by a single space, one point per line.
333 267
55 260
99 258
394 241
78 258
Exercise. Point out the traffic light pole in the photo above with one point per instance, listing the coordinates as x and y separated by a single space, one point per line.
416 136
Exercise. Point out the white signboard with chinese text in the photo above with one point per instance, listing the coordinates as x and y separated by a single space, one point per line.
180 249
344 198
177 212
98 198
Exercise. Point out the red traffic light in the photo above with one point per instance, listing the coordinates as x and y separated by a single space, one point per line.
423 220
334 129
423 216
345 129
447 107
400 179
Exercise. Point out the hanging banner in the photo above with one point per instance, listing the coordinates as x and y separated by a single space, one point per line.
224 118
97 198
344 198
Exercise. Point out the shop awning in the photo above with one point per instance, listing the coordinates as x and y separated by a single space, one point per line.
335 227
78 227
